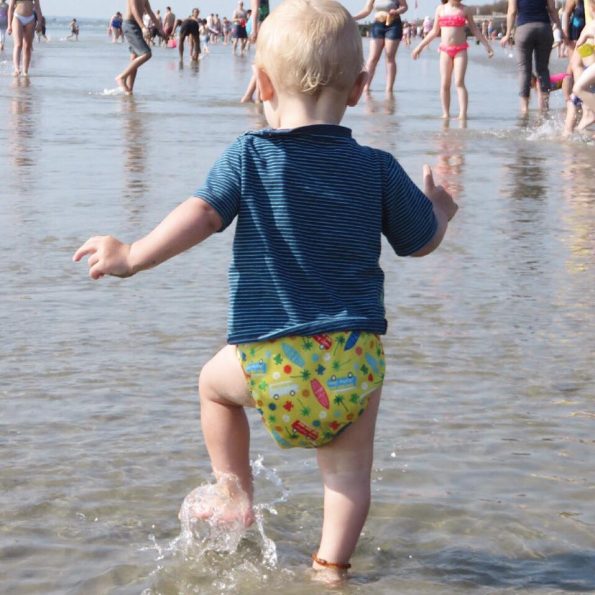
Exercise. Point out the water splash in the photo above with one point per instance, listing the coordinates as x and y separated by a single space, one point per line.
209 526
109 92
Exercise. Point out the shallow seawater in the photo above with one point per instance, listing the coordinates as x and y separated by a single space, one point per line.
484 478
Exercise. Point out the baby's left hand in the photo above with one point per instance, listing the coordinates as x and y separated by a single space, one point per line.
107 256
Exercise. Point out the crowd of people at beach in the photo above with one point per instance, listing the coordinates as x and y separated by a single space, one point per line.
535 27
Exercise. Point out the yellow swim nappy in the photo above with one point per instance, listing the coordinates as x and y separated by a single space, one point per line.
309 389
586 50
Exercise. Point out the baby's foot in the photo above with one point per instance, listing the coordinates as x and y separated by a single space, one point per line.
219 504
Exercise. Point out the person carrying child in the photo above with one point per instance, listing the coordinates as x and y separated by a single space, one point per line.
451 21
306 289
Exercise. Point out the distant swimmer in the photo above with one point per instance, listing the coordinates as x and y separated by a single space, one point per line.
135 33
23 16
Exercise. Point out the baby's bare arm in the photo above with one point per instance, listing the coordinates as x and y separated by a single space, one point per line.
187 225
445 209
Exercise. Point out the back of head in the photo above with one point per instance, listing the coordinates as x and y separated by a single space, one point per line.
305 46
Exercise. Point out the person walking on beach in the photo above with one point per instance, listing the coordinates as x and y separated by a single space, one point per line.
314 367
22 19
238 31
386 34
3 23
135 33
260 10
533 40
169 22
451 21
74 30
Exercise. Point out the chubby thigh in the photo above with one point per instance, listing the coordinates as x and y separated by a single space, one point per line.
309 389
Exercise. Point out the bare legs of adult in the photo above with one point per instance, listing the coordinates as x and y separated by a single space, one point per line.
28 36
390 55
17 50
376 47
126 78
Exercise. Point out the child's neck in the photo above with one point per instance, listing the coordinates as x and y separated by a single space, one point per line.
293 111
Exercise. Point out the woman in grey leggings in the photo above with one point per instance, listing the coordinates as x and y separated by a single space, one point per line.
533 40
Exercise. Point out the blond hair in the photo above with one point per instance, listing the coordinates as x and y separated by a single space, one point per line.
306 45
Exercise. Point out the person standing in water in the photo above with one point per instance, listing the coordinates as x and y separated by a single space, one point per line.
135 33
386 34
169 22
190 28
451 22
260 11
22 18
3 23
313 368
74 30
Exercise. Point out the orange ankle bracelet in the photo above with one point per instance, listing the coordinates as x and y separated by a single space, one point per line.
339 565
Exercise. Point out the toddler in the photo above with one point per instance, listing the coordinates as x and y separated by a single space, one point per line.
306 289
451 21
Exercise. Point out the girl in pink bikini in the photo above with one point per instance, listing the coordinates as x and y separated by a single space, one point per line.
451 21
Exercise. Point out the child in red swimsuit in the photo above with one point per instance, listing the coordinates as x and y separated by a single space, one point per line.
451 21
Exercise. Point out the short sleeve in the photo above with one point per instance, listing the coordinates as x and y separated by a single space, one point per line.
408 219
223 186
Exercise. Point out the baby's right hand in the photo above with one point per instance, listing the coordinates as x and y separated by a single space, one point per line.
440 198
107 256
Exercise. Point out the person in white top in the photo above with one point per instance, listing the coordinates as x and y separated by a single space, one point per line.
386 34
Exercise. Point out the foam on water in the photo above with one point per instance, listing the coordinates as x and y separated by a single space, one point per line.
110 92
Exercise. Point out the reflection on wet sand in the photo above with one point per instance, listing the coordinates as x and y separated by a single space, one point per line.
450 163
579 195
134 134
22 125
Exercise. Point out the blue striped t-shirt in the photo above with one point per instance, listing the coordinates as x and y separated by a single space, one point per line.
311 205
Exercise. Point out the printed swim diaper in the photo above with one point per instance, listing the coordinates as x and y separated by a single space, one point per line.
309 389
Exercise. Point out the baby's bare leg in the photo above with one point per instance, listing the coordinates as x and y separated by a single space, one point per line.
346 465
223 395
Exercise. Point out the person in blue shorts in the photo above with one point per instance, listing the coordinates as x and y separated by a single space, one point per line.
386 34
306 312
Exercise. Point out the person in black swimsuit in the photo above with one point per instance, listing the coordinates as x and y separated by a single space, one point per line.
190 28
